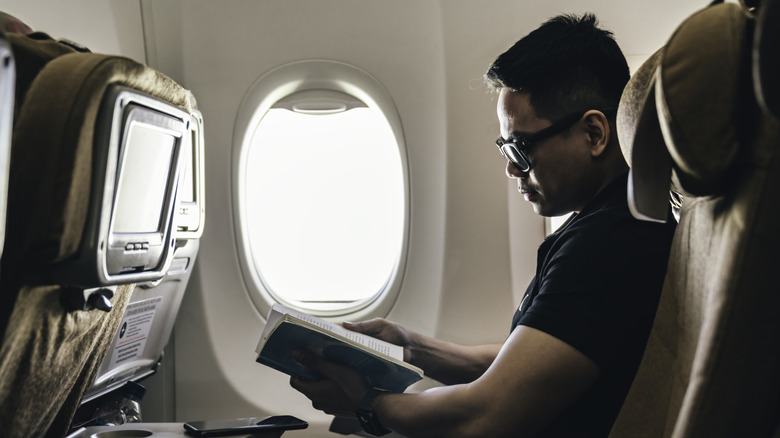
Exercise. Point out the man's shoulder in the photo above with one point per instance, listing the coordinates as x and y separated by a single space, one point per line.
614 226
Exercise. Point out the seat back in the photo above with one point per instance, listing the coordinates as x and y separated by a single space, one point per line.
137 348
62 207
711 365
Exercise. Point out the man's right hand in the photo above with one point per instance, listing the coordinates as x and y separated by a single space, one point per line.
446 362
385 330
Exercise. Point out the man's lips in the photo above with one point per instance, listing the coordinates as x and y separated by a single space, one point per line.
528 193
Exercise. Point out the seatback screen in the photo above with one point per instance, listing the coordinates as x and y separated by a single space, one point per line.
143 179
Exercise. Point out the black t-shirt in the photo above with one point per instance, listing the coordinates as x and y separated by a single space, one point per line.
597 284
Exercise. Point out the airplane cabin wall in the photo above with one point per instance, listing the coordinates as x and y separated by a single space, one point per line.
111 27
223 48
473 239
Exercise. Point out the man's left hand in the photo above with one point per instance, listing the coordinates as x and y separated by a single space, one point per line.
338 393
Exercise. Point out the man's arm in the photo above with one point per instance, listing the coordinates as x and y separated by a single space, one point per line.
533 379
446 362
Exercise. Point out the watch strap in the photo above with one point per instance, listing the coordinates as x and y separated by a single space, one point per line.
365 414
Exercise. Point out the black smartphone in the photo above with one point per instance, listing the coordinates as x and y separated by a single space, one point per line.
241 426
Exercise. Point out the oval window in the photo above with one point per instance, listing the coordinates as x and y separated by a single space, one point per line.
323 204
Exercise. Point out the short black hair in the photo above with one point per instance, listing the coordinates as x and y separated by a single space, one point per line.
568 64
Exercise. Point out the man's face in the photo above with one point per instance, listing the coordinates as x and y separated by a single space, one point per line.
552 185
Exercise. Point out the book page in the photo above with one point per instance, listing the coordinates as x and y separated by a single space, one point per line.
383 347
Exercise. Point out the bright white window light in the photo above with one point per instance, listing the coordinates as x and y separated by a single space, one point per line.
553 223
324 205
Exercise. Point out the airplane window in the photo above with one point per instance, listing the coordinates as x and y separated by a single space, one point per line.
324 202
326 206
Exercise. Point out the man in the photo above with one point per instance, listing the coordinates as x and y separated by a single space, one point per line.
578 336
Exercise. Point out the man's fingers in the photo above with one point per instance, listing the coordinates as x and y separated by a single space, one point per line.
370 327
330 370
354 326
316 363
325 395
312 387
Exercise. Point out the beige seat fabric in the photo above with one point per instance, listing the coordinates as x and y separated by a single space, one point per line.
49 356
711 368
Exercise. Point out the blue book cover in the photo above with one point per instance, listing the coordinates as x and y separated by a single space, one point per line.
288 330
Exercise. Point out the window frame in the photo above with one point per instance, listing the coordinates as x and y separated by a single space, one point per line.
266 91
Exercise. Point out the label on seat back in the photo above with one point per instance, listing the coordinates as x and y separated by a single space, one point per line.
134 331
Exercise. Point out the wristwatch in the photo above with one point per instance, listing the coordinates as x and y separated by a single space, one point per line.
368 420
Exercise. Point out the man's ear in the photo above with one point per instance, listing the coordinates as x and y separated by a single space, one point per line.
599 132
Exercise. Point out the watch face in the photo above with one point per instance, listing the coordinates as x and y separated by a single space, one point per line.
370 424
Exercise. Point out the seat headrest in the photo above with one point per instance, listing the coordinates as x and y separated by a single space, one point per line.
11 24
643 145
766 63
699 94
65 98
679 110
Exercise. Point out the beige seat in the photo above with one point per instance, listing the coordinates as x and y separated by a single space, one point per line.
51 350
712 365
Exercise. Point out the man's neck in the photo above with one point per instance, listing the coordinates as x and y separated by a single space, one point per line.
609 178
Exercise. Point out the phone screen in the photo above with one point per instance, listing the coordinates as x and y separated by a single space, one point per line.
239 426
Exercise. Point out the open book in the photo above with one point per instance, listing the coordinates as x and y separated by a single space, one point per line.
288 330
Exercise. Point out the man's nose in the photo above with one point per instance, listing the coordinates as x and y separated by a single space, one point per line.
512 171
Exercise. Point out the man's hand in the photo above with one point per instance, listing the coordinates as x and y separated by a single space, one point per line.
385 330
340 391
443 361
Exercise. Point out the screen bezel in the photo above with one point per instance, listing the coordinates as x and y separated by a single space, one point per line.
120 260
190 215
7 92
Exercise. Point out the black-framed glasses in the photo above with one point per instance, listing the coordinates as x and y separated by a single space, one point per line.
515 150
